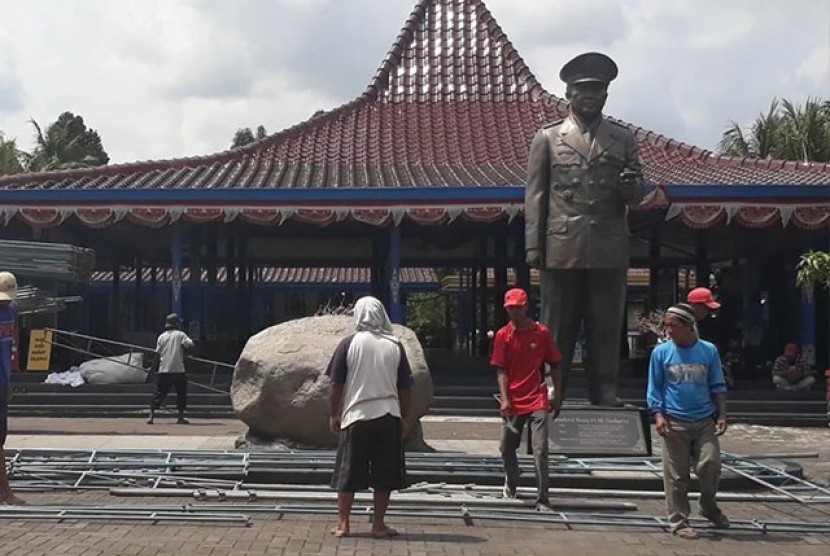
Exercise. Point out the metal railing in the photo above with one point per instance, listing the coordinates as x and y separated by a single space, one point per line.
92 341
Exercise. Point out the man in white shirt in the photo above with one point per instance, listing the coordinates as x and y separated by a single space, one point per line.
169 358
370 397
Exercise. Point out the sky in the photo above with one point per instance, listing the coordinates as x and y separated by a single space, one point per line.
171 78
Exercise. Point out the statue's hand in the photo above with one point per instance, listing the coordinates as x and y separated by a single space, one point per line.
631 186
630 176
534 258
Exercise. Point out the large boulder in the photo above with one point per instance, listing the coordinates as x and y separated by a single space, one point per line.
280 390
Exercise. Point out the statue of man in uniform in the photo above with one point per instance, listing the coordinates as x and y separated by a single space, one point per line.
583 175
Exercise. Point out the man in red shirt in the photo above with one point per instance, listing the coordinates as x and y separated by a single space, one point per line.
520 349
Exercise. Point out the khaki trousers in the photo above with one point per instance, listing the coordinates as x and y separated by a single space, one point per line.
685 443
511 437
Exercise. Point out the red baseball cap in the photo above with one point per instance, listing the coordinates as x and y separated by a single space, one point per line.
515 298
704 296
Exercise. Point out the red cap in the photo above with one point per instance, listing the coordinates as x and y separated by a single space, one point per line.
791 349
515 298
704 296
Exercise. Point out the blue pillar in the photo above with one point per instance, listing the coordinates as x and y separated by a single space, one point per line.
808 325
809 334
393 262
176 279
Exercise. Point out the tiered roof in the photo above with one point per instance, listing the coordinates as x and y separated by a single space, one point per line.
452 105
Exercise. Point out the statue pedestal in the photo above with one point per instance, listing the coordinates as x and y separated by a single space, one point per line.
584 430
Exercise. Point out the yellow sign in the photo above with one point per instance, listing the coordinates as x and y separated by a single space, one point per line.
40 350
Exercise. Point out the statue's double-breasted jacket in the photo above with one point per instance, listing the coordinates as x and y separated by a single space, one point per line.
576 203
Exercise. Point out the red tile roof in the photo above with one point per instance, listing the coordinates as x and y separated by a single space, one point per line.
452 104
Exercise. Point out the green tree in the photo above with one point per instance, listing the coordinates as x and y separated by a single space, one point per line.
813 273
429 315
245 136
66 143
787 132
10 157
813 270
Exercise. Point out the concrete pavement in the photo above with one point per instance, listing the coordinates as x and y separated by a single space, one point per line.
273 534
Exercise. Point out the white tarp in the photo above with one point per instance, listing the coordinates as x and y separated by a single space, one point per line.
120 369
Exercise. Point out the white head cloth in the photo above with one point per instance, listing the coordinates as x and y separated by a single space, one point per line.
370 316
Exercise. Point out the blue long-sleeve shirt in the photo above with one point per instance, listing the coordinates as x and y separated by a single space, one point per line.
681 380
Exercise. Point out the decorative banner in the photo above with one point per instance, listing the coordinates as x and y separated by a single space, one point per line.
692 215
40 350
318 217
262 217
200 215
43 218
812 218
758 217
150 217
175 213
484 214
786 213
6 215
427 216
230 214
98 217
702 217
373 217
513 211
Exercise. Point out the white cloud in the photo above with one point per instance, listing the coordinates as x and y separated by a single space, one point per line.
170 78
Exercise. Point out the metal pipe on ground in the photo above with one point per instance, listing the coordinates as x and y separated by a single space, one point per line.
612 493
80 513
398 500
470 515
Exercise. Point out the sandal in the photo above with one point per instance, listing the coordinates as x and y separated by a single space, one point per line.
720 522
339 533
385 533
687 533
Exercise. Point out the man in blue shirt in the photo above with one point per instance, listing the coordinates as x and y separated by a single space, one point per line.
687 396
8 312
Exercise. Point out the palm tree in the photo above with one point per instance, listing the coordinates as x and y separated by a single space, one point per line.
10 157
805 134
787 131
66 143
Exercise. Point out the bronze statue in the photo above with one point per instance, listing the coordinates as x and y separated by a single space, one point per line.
583 174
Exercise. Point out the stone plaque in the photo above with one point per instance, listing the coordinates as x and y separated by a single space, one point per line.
596 432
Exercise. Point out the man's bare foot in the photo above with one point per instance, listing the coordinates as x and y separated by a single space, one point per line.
12 500
340 531
383 532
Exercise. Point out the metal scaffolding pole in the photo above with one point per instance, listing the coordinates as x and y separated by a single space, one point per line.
93 513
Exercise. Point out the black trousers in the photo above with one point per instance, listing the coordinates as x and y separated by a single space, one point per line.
165 381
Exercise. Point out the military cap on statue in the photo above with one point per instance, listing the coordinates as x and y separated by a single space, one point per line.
591 66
